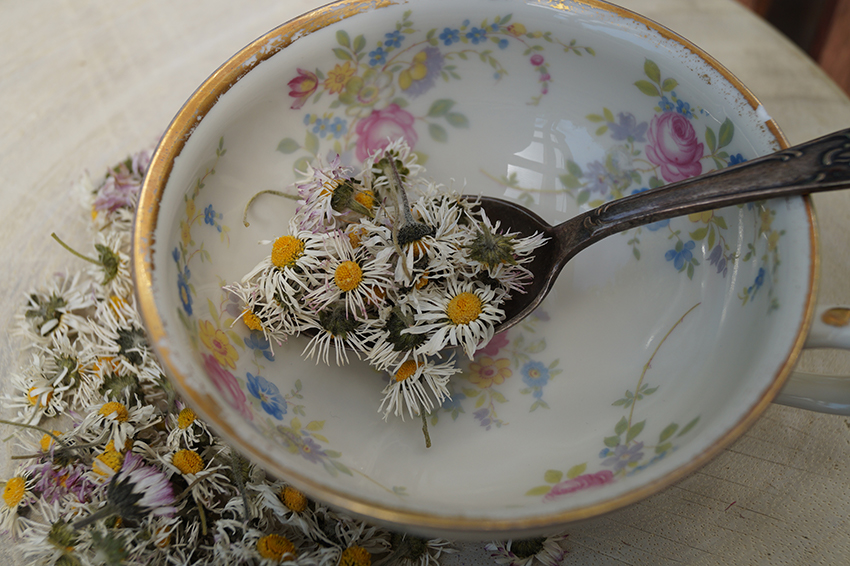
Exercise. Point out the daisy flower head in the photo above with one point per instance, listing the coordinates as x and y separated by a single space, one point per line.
409 550
111 270
415 385
49 537
545 551
136 493
60 307
185 429
374 176
330 196
463 314
351 276
39 391
17 495
391 339
334 326
119 421
289 506
200 471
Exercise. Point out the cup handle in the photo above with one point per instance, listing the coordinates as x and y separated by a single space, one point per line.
815 392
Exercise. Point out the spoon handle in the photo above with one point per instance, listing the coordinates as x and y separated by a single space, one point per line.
822 164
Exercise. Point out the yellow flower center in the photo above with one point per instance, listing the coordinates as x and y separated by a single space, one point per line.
116 303
116 408
366 198
275 547
406 370
286 250
464 308
348 275
355 556
293 499
111 459
185 418
187 461
39 396
162 536
252 321
13 493
47 441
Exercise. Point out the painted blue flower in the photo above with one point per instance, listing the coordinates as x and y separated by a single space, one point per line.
450 36
476 35
736 159
393 39
666 105
624 455
176 255
535 374
598 176
627 127
306 119
454 402
684 109
209 215
256 341
184 291
338 127
681 254
717 259
377 57
321 126
751 290
483 417
503 43
270 398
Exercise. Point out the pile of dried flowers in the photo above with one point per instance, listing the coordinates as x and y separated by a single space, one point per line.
388 264
111 466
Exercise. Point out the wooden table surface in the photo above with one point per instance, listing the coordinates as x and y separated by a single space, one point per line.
85 83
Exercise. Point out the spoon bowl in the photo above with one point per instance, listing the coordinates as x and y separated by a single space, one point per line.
818 165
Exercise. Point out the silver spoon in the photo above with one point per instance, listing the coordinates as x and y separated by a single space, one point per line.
822 164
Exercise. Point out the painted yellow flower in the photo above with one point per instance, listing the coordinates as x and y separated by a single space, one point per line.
338 77
190 209
486 372
185 233
218 343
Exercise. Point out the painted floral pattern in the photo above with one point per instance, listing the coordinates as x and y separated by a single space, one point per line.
627 450
376 77
668 144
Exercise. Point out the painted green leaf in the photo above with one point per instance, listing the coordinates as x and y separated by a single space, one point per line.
611 441
636 253
288 145
553 476
699 233
342 467
668 431
647 88
710 140
669 84
295 423
663 447
635 430
582 197
576 471
342 38
438 133
574 169
712 237
652 71
595 118
359 43
570 181
727 132
213 312
311 143
688 427
590 50
621 426
342 53
498 397
480 401
601 130
315 425
301 164
620 402
457 120
538 491
440 107
720 221
650 390
609 116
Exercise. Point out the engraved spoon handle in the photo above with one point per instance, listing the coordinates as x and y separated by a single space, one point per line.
822 164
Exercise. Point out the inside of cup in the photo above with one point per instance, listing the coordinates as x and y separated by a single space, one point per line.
654 344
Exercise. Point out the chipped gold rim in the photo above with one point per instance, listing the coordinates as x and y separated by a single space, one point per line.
171 145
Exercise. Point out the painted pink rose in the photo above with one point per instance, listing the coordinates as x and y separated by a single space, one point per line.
301 87
227 385
495 344
579 483
375 132
674 147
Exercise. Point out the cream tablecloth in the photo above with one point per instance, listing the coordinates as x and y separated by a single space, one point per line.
84 83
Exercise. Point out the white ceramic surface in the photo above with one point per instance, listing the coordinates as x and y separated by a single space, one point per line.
656 347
